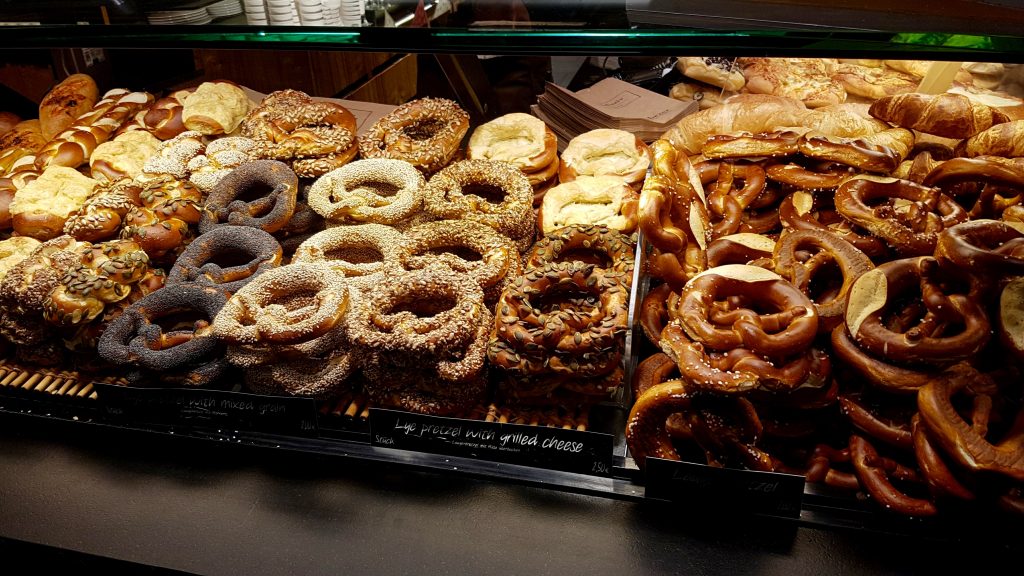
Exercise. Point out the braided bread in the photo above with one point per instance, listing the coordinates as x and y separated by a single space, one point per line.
74 146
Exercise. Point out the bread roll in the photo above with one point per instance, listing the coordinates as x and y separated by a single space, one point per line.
24 139
947 115
124 156
600 200
215 108
741 113
75 96
7 122
40 208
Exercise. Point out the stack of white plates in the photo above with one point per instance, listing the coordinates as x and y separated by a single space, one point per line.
311 12
224 8
352 12
197 16
332 12
283 13
256 12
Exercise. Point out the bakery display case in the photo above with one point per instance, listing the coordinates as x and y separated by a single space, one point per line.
754 262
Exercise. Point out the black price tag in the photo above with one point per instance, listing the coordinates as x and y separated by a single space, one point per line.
543 447
210 409
706 487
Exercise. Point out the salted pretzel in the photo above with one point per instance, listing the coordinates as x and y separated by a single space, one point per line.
646 431
943 482
947 324
877 372
801 255
967 440
742 248
893 431
803 211
726 202
654 312
876 473
985 246
909 217
748 145
999 183
881 152
829 177
785 326
822 468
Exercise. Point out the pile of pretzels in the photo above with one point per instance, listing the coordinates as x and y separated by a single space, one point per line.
848 309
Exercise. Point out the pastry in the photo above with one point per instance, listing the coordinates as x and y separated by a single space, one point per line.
601 200
715 70
806 79
874 83
123 157
41 207
215 108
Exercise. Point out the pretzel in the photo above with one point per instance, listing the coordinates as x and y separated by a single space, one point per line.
269 212
822 468
952 327
454 193
910 227
424 132
893 432
879 373
320 378
654 312
785 326
790 263
364 251
988 246
645 429
587 243
676 224
419 314
1011 317
186 353
996 176
726 204
468 248
880 152
800 211
967 442
315 136
728 430
803 179
942 481
747 145
874 471
227 258
380 191
259 312
740 370
521 139
742 248
525 335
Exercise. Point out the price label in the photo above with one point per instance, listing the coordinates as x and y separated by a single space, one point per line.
543 447
209 409
706 487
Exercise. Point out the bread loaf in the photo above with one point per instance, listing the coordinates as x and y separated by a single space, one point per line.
65 102
947 115
1005 140
73 146
741 113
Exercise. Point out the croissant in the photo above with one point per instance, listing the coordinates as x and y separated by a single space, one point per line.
742 113
1005 140
948 115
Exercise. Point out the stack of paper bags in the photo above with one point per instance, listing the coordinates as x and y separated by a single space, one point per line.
610 103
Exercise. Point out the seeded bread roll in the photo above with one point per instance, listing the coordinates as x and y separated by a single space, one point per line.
68 100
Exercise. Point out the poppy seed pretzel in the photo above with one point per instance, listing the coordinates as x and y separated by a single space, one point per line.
211 258
270 212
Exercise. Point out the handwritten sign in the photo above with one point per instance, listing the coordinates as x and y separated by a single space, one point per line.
746 491
209 408
543 447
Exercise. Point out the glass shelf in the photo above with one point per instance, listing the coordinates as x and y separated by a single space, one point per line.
529 41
